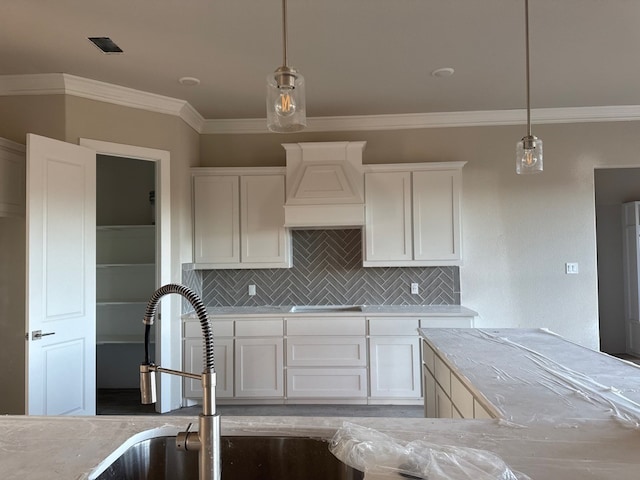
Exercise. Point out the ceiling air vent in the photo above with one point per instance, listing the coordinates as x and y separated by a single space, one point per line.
105 44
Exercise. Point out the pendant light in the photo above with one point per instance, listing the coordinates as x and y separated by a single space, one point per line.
529 149
285 92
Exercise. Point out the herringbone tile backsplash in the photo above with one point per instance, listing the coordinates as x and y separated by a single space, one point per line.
327 270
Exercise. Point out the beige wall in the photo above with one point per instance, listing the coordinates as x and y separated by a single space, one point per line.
12 343
518 231
40 114
70 118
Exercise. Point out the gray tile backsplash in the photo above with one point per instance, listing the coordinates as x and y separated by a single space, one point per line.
327 270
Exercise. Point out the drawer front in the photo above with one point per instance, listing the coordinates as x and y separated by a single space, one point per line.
326 351
429 357
326 326
446 322
220 328
461 397
393 326
443 375
326 383
260 328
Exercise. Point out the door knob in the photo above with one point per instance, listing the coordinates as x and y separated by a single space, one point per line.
37 334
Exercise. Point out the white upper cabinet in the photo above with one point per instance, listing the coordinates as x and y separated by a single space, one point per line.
239 218
12 178
413 214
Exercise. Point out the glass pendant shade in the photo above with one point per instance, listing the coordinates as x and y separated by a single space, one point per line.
529 155
286 111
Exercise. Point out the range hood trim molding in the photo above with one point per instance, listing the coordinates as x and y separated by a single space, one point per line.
325 185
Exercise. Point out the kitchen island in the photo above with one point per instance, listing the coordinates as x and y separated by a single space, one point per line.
576 420
72 448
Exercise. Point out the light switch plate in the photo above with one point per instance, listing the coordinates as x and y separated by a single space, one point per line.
252 290
414 289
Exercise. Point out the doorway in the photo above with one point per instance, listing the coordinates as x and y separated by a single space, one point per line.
167 333
125 272
613 187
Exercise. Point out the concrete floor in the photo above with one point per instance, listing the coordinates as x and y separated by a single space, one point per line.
127 402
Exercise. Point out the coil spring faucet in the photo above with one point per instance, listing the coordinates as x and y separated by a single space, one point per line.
207 440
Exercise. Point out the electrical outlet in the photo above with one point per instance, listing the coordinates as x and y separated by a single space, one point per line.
571 268
414 289
252 290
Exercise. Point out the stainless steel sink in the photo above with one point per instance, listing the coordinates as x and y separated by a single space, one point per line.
326 308
243 458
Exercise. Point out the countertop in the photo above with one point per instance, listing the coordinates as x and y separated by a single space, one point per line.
373 310
597 442
71 448
535 376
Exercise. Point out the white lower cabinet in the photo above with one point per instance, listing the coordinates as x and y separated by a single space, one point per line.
259 368
326 359
395 367
394 359
194 360
223 354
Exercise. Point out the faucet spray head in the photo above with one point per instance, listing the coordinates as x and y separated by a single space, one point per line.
147 384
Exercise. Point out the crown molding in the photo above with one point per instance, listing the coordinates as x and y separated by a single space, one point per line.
478 118
62 83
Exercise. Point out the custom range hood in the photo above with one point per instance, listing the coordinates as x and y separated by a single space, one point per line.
325 185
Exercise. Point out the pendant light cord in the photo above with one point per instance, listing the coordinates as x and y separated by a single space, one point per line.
284 33
526 29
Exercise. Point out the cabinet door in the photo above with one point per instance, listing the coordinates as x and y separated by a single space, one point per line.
387 232
430 410
193 363
263 236
444 408
395 367
216 219
436 215
259 366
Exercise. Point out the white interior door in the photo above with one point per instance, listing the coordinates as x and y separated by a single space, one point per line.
61 284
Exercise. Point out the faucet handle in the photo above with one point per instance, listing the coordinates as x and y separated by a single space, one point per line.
188 441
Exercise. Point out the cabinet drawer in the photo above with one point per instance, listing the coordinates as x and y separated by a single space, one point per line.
220 328
326 351
461 397
446 322
393 326
259 328
326 382
428 357
443 375
326 326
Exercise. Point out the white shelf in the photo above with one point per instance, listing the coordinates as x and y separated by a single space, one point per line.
122 339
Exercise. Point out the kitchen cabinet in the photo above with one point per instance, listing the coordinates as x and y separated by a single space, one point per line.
259 359
238 218
12 179
446 394
223 354
413 214
394 367
326 358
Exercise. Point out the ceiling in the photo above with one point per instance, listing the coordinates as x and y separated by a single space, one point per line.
359 57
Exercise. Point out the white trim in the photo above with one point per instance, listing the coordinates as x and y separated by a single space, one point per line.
238 171
62 83
403 167
168 337
12 147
